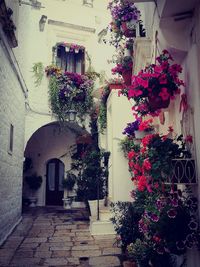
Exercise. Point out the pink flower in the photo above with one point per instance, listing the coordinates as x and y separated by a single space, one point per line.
164 94
170 129
189 139
163 79
144 83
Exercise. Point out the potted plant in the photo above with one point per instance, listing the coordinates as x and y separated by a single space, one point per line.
139 128
34 182
91 180
68 184
124 68
154 87
125 17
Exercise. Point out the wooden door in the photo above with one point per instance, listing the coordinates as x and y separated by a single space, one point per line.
54 188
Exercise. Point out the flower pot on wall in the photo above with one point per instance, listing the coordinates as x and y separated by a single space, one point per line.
127 74
93 207
129 28
156 102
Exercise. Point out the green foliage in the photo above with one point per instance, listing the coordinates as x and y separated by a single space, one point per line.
70 181
91 178
125 219
102 117
38 72
78 99
128 144
34 181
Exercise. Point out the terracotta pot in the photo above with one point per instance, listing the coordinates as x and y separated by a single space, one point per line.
127 75
127 30
129 264
156 102
115 86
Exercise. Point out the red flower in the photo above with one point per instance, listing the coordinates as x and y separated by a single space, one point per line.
131 154
145 125
164 94
146 164
142 183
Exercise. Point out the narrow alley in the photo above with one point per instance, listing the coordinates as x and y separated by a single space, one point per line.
52 236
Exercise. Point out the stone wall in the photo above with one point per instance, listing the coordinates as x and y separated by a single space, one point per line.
12 111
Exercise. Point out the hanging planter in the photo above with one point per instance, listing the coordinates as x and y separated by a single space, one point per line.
156 102
127 74
155 86
129 28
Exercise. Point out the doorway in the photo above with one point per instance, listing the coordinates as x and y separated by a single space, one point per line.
54 188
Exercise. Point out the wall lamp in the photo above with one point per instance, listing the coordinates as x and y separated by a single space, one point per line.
42 22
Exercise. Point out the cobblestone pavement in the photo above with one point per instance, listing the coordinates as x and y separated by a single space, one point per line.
53 237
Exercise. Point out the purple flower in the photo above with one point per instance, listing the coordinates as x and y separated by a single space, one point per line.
193 225
180 245
131 128
172 213
154 217
174 202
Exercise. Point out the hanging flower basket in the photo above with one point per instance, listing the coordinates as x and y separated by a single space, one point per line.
156 102
129 28
127 74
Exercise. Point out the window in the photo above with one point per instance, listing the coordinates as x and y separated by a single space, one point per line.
71 60
10 147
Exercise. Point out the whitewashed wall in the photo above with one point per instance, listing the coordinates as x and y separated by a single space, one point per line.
12 111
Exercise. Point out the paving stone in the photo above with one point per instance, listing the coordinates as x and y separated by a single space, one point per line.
111 251
83 234
56 247
60 239
82 226
86 253
24 262
29 245
61 253
55 261
62 232
63 227
43 254
73 260
44 247
109 261
24 253
82 238
85 247
35 240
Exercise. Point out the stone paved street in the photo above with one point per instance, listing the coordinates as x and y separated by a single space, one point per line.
53 237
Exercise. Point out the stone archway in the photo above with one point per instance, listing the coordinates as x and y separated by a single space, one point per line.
50 142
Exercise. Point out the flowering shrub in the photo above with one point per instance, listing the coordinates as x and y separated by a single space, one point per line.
69 91
152 164
169 222
154 87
